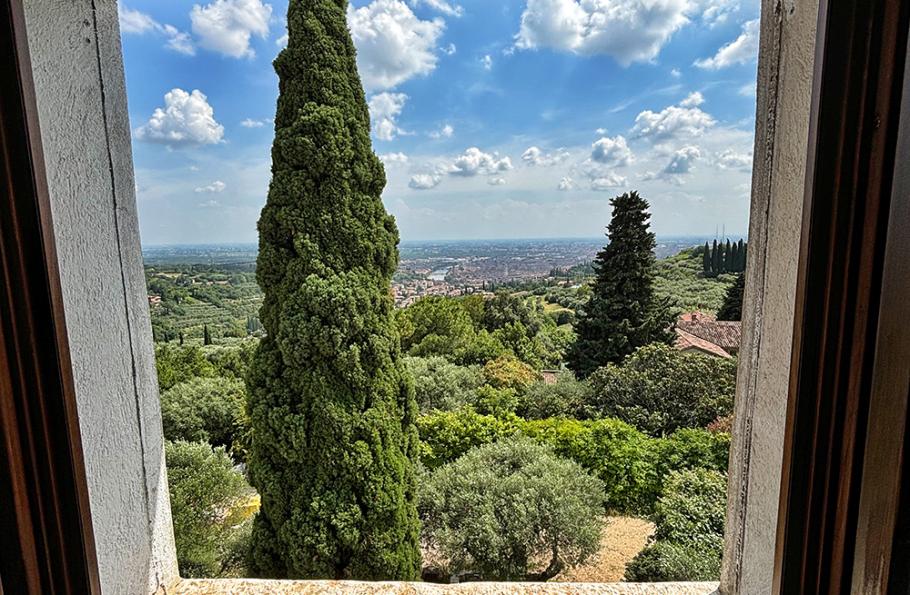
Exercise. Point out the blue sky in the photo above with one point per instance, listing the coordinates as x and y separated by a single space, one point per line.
507 119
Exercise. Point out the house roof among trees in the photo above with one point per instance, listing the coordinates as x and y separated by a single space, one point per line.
699 330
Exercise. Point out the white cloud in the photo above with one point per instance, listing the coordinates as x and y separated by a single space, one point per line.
566 183
133 21
282 41
748 90
496 181
693 100
445 132
608 181
601 131
716 12
672 122
449 50
226 26
611 152
186 119
446 8
730 159
384 111
474 162
739 51
535 156
139 23
487 62
675 73
390 159
682 161
393 45
628 30
424 181
210 204
251 123
216 186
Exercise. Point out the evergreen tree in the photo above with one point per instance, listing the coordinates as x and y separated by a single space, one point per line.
706 261
715 259
732 308
206 335
728 257
622 312
331 405
181 337
742 256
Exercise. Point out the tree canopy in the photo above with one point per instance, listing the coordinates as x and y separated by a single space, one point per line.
331 404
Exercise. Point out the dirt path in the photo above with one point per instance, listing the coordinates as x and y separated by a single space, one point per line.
623 537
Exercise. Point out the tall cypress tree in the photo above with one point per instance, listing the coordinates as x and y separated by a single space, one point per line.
728 257
331 405
206 335
706 261
715 259
732 308
622 312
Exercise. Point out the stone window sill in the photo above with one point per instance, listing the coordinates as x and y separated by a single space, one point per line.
262 587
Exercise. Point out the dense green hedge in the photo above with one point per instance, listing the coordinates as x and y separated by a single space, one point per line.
631 464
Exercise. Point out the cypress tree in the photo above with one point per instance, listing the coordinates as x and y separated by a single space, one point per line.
206 336
622 312
706 261
742 255
734 257
331 405
732 308
715 259
728 257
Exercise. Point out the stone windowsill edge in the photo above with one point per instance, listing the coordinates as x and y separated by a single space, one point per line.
261 587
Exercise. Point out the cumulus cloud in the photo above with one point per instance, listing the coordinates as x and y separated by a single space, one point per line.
748 90
446 8
226 26
672 122
445 132
535 156
186 119
474 162
611 152
608 181
628 30
693 100
216 186
716 12
739 51
139 23
496 181
393 45
251 123
384 111
487 62
566 183
730 159
424 181
391 159
449 50
682 161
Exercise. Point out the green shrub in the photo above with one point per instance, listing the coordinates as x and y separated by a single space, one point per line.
512 511
509 372
659 389
203 410
665 561
566 398
447 435
442 385
618 454
691 448
204 487
688 542
176 364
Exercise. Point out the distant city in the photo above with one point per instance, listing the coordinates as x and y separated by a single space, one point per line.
451 268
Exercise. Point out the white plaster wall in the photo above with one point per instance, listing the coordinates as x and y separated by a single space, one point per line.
79 82
786 61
